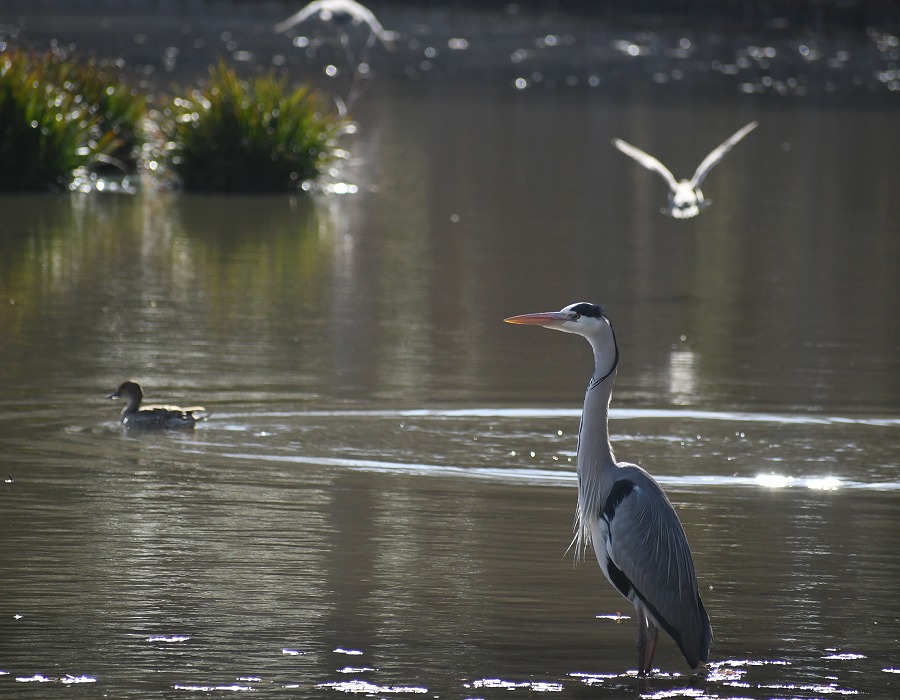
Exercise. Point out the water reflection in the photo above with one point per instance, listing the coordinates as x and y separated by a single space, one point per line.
377 476
682 376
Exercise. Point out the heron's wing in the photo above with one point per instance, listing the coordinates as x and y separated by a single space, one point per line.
646 160
305 13
647 543
719 152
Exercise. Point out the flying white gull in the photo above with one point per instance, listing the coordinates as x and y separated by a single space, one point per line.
327 9
685 197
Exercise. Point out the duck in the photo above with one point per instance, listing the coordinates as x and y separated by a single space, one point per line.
686 199
153 417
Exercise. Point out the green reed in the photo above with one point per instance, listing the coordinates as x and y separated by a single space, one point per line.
236 135
59 115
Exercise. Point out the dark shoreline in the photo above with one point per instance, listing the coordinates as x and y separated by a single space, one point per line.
843 52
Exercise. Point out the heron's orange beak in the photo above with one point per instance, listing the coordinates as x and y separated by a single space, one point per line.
547 318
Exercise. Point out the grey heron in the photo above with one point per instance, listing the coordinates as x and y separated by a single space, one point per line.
153 417
685 196
624 513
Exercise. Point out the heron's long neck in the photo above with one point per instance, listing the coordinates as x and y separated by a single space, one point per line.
596 462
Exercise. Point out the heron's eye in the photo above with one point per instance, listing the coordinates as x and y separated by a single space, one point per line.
575 315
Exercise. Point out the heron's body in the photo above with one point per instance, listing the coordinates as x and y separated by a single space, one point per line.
624 513
153 416
686 199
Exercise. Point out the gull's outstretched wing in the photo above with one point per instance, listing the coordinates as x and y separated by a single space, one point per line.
719 152
646 160
308 11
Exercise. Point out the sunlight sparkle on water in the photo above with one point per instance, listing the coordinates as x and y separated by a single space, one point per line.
732 671
65 680
593 678
535 686
774 481
357 686
168 638
738 663
234 687
778 481
628 48
36 678
723 674
828 483
340 188
844 657
678 693
617 617
830 689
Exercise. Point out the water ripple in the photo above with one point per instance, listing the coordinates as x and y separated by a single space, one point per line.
366 688
521 475
615 414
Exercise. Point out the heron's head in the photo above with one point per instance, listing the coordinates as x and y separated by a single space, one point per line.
581 318
584 319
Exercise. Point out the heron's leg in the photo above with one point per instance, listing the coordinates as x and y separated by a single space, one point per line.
648 635
652 638
643 623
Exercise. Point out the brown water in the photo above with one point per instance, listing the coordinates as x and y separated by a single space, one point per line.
382 500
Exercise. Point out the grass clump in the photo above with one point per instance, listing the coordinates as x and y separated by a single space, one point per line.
235 135
62 119
120 107
59 116
46 133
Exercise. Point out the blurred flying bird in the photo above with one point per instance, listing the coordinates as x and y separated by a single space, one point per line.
624 513
326 11
685 197
153 417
